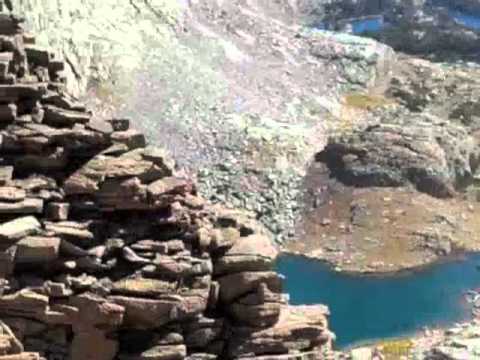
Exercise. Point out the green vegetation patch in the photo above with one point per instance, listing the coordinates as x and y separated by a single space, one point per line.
366 101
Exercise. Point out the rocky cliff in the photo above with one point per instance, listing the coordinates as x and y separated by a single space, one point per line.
108 252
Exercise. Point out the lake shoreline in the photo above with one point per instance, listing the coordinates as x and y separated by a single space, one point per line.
438 340
458 256
410 304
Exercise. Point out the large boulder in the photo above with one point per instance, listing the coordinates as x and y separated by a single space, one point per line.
18 228
235 285
304 322
250 253
36 249
434 155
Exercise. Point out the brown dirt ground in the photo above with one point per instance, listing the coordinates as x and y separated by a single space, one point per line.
382 229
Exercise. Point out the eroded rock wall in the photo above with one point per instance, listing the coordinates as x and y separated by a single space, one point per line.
106 250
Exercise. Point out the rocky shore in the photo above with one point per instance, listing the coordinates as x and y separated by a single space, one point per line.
460 342
108 252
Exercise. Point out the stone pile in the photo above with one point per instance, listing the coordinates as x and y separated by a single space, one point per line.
106 250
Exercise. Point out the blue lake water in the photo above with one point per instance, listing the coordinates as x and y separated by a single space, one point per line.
366 308
367 25
376 24
467 20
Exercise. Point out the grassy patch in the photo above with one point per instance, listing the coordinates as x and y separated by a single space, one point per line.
396 349
366 101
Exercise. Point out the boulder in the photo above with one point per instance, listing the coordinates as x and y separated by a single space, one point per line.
6 173
250 253
8 113
95 311
18 228
57 211
143 287
144 313
159 352
17 92
432 154
24 303
37 55
203 331
223 238
93 344
58 117
132 138
26 206
75 232
12 194
299 328
101 126
239 284
37 250
7 262
169 185
259 309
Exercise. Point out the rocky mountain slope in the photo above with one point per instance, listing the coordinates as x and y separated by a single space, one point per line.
106 249
238 91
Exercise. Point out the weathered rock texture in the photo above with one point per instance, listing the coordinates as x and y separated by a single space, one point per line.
435 155
107 252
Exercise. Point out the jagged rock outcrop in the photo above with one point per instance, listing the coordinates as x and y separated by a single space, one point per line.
435 155
106 250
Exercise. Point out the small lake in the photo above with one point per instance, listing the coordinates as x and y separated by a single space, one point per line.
376 24
470 21
367 25
366 308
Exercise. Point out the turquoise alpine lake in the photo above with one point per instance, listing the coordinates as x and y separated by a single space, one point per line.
368 308
470 21
374 24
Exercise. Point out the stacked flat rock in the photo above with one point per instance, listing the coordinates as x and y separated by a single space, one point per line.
107 252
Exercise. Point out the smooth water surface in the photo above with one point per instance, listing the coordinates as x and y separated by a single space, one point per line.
470 21
376 24
365 308
367 25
